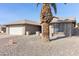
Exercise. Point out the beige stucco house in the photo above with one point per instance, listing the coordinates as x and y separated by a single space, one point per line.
57 27
23 27
60 27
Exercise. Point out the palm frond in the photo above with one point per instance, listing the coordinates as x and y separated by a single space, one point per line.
54 7
65 3
38 4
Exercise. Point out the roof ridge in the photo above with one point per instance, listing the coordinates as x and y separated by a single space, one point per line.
25 21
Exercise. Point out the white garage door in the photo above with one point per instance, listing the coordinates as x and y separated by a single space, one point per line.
16 30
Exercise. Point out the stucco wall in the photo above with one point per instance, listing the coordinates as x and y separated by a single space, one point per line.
32 29
66 27
69 29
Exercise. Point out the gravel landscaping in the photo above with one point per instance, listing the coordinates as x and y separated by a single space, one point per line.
34 46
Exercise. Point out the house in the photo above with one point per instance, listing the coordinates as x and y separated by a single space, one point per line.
62 27
2 29
23 27
57 27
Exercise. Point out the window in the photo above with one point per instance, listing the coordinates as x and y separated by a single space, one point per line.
58 27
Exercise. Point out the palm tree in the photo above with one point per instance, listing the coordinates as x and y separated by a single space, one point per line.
45 18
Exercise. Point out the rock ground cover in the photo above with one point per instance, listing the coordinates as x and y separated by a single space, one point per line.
34 46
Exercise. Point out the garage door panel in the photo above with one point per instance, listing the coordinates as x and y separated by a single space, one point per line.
16 30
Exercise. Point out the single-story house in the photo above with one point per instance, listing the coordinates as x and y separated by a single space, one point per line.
22 27
57 26
2 29
62 27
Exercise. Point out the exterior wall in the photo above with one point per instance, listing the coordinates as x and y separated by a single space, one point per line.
27 28
32 28
65 28
51 31
68 29
73 29
7 30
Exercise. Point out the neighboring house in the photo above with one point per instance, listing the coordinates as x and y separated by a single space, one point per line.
62 27
23 27
2 29
77 25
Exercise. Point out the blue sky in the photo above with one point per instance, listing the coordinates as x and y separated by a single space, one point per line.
13 12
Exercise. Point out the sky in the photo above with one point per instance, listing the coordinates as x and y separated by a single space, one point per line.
11 12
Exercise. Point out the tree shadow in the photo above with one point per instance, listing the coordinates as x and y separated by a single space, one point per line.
57 38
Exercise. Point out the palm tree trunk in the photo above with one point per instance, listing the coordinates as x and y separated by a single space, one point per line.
45 16
45 30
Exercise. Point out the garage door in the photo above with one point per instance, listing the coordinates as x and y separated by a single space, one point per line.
16 30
